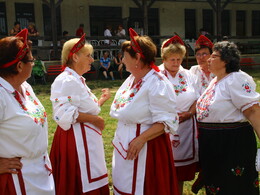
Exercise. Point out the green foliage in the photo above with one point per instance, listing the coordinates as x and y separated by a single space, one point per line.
43 93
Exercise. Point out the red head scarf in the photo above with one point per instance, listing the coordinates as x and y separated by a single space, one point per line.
203 40
22 52
136 47
174 40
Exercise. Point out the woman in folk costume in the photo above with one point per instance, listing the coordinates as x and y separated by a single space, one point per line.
145 108
203 49
24 163
185 145
227 113
77 152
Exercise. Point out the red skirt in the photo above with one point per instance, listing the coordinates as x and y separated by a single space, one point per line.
65 165
160 175
7 184
187 173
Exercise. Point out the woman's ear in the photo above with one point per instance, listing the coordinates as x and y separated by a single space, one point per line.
20 66
75 57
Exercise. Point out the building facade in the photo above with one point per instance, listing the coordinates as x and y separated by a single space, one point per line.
164 17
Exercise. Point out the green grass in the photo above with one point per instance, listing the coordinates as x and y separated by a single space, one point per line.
43 93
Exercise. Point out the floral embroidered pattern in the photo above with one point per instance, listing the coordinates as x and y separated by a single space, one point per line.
212 189
246 87
92 96
204 102
127 95
56 100
182 86
238 171
38 113
69 98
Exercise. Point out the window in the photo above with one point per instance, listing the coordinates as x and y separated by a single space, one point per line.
225 23
190 24
208 20
240 23
255 23
136 20
24 13
3 26
47 20
101 16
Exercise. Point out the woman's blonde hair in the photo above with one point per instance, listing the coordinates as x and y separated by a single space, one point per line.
176 48
67 48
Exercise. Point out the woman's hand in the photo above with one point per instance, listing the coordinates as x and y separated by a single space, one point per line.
105 96
99 122
9 165
184 116
134 148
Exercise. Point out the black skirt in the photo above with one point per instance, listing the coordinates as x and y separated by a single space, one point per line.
227 153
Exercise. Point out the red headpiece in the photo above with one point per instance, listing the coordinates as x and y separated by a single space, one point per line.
136 47
22 52
174 40
78 45
203 40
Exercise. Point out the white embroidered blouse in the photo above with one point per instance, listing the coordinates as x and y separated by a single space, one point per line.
225 101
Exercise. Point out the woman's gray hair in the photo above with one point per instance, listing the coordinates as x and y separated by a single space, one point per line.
230 54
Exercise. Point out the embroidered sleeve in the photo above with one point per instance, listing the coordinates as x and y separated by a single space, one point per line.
65 97
243 90
162 101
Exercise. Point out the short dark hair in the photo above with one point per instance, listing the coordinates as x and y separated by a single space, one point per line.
65 33
230 54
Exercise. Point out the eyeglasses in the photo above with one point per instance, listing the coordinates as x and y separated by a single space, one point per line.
202 54
214 56
32 60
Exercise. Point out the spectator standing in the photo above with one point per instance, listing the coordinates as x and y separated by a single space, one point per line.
33 33
16 29
120 33
107 33
80 30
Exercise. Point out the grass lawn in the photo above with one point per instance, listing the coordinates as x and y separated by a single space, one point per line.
43 93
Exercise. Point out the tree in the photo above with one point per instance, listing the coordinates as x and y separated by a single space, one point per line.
53 5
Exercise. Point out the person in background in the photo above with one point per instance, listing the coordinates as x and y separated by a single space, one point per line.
120 33
77 152
24 162
185 145
144 106
105 66
107 33
64 38
80 30
119 64
33 33
228 112
203 49
16 29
